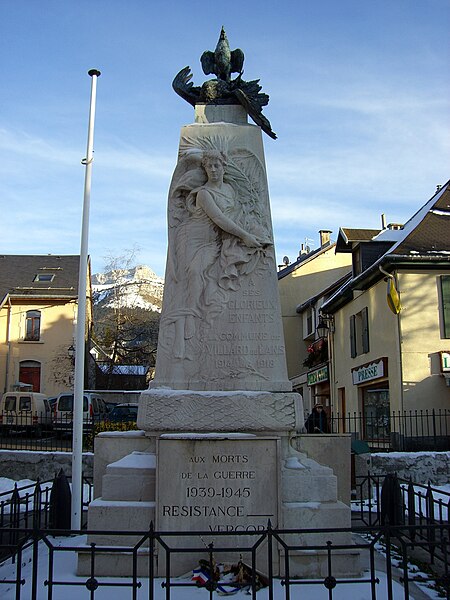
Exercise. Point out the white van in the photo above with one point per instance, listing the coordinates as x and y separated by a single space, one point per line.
25 411
94 410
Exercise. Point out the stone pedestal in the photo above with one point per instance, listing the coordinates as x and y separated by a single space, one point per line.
217 481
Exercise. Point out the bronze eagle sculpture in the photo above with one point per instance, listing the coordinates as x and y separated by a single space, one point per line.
224 90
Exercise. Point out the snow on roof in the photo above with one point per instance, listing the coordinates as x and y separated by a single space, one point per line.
398 235
123 369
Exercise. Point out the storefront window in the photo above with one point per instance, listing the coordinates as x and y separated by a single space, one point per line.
376 414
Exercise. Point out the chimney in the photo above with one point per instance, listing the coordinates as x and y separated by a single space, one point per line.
383 221
325 235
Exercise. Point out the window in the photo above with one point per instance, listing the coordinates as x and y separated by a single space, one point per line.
65 403
46 277
309 322
33 326
25 403
376 413
359 333
10 403
356 256
445 298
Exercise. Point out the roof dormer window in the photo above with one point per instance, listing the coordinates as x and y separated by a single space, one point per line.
44 277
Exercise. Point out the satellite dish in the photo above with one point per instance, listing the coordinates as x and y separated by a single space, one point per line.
286 260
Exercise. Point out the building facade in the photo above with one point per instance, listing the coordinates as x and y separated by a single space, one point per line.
390 333
298 284
38 312
382 345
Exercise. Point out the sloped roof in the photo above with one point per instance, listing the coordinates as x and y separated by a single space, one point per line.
348 236
124 369
423 242
432 234
303 259
18 276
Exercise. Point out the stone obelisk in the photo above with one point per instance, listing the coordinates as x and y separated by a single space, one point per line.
219 418
221 361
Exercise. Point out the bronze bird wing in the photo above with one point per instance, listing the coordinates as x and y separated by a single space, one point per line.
253 108
237 61
184 87
208 61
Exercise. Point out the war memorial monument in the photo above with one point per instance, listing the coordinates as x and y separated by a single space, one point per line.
215 450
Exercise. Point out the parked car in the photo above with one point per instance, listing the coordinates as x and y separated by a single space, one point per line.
110 405
94 411
25 411
125 412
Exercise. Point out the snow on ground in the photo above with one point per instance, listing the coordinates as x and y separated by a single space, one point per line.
7 486
65 567
421 453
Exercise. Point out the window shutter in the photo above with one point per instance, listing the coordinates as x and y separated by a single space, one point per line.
445 289
365 329
352 336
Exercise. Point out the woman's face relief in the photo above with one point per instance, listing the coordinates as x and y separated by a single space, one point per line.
214 170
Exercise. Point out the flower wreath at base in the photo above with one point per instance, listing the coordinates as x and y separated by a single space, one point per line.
227 579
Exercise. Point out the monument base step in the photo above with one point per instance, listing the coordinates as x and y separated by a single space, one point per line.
107 515
313 564
113 564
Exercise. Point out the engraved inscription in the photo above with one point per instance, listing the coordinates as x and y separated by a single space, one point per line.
224 490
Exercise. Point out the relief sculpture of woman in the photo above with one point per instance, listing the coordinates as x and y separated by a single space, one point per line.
214 239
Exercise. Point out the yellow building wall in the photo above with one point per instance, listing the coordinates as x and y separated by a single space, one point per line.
309 279
51 351
411 341
3 346
423 384
383 342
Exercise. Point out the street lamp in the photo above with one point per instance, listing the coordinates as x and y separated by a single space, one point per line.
322 328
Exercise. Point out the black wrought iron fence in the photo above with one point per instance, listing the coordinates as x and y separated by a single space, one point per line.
42 433
406 431
36 571
388 498
401 431
37 505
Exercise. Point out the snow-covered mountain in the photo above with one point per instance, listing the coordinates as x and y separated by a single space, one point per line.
138 287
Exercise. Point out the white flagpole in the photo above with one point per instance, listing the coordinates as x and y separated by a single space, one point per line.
77 435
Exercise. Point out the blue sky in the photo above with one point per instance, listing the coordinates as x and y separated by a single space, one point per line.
359 98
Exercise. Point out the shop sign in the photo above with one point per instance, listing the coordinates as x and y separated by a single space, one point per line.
370 371
318 375
445 362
